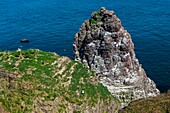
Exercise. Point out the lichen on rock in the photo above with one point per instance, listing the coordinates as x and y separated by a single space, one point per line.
107 48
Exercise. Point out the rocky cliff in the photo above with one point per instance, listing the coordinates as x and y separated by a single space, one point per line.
107 48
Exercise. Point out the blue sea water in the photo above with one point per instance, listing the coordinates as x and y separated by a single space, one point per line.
50 25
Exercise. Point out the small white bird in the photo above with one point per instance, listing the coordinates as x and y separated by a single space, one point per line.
19 49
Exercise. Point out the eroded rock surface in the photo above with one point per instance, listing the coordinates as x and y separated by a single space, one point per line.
107 48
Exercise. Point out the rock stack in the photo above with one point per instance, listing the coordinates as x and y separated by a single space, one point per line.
107 48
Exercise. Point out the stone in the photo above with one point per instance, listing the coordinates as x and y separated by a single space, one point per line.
24 40
109 51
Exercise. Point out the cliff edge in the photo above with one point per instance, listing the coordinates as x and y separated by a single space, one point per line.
107 48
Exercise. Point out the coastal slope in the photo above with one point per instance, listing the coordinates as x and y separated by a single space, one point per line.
158 104
106 47
35 81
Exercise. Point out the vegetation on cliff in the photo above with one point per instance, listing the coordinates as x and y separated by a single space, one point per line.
33 80
42 82
158 104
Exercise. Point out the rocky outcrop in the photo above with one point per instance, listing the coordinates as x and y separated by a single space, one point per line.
107 48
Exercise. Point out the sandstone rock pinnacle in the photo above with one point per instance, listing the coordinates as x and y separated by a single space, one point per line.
107 48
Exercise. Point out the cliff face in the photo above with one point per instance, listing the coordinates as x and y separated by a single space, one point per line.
106 47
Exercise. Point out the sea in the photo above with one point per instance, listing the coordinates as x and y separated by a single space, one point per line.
50 25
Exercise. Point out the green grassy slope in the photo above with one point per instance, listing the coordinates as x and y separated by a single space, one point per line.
37 81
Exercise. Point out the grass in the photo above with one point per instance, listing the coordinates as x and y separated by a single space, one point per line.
96 17
34 80
159 104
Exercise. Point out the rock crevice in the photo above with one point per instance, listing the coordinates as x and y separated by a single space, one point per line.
107 48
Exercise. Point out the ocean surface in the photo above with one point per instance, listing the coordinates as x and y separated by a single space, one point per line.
50 25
